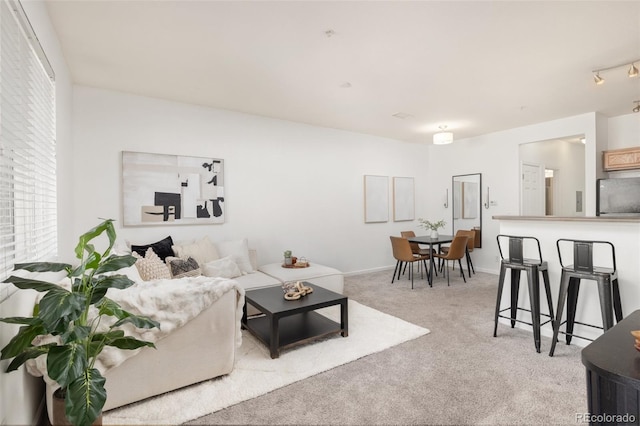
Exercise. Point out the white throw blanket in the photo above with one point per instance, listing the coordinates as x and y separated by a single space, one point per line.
172 303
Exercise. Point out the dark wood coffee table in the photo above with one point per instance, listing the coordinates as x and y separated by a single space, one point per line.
287 323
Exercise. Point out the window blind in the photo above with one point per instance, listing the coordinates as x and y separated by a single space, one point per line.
28 220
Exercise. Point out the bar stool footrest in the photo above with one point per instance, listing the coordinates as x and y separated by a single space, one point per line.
577 336
524 322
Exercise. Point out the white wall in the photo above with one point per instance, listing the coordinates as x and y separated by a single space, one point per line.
287 185
20 393
624 131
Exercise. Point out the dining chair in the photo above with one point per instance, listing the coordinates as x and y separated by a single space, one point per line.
402 253
415 247
470 246
456 251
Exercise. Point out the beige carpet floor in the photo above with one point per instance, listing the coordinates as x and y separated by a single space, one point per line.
458 374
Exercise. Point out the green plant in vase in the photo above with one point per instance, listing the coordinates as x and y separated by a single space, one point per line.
432 226
73 317
287 258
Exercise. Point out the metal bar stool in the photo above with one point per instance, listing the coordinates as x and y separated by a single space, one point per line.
583 268
517 263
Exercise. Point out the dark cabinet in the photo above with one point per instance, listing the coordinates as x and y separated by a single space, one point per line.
613 375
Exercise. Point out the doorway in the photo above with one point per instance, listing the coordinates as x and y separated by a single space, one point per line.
532 202
551 192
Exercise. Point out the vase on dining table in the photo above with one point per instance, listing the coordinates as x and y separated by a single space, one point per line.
434 233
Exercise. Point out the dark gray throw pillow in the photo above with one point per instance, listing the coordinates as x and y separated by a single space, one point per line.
162 248
179 268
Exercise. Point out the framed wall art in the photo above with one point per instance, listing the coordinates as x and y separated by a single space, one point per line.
403 199
376 198
161 189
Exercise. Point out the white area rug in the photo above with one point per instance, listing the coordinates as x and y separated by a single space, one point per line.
256 373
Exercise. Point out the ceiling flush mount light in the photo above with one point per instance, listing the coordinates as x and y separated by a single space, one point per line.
632 72
637 107
442 137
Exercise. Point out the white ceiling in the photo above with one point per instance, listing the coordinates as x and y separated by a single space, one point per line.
475 66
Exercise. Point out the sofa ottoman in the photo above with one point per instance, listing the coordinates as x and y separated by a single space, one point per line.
324 276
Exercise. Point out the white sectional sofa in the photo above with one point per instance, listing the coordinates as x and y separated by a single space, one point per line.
178 360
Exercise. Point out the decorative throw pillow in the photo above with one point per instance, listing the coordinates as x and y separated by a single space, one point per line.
202 250
151 267
181 267
162 248
225 268
239 249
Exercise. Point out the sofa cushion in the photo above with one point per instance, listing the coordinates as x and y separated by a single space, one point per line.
225 268
256 280
201 250
180 267
162 248
239 249
151 267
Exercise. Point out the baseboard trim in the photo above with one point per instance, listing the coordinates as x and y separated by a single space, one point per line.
368 271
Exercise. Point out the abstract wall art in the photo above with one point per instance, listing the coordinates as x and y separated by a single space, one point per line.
161 189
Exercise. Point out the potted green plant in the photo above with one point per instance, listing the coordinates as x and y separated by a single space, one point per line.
432 226
73 318
287 258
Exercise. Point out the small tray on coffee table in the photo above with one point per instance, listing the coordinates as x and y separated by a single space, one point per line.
295 265
288 323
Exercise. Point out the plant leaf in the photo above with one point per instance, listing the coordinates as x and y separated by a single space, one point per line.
42 266
22 340
75 334
99 340
138 321
83 243
114 263
33 352
66 363
61 308
21 320
111 308
85 398
114 281
129 343
37 285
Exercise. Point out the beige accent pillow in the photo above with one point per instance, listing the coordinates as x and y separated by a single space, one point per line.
239 250
202 250
151 267
180 267
225 268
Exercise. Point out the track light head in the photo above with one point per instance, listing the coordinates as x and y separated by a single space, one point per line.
633 71
598 80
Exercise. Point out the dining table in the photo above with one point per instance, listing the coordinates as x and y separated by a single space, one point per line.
431 241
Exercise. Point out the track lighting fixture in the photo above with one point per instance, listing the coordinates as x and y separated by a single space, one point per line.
632 72
442 137
637 107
